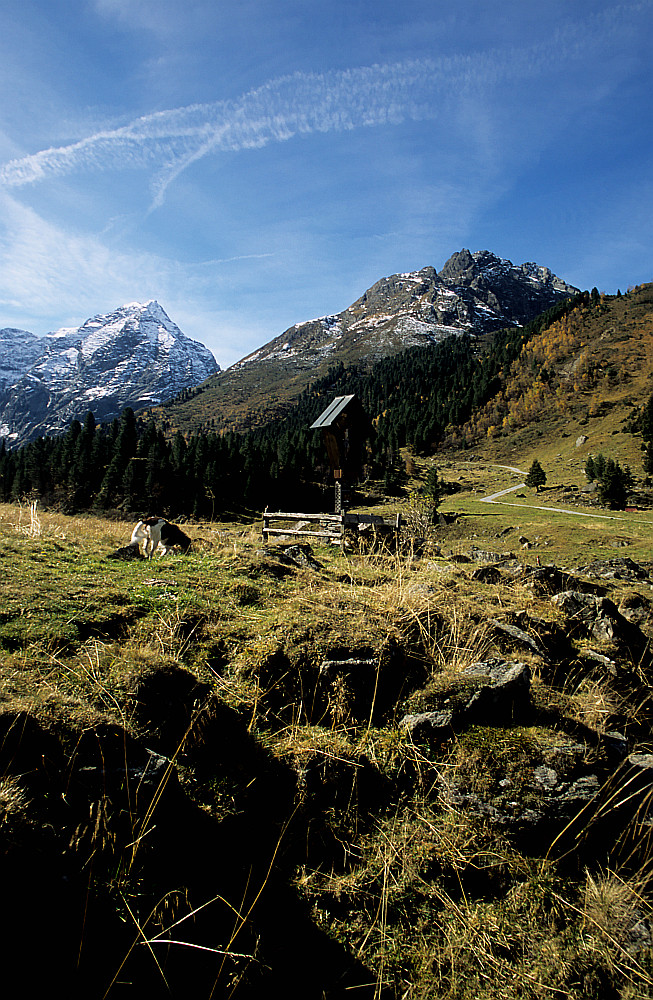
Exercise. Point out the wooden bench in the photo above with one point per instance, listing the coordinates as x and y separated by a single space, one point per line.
331 527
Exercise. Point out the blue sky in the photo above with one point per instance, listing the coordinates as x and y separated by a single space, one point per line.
257 164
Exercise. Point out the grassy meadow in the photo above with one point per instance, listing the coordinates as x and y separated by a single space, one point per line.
190 804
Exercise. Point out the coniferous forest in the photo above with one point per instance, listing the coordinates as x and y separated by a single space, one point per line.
132 465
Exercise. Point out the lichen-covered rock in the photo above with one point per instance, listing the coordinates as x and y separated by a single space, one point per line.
545 777
599 617
616 569
517 636
302 555
636 609
487 574
491 692
642 769
550 579
360 684
503 695
131 551
292 556
482 556
333 668
428 726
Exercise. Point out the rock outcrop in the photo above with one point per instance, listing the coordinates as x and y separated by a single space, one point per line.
474 294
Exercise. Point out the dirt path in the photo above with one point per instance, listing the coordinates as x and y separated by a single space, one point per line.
494 498
502 493
510 468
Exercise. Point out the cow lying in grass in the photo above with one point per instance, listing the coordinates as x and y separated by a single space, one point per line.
153 534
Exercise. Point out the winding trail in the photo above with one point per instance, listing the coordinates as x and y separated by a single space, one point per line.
502 493
495 498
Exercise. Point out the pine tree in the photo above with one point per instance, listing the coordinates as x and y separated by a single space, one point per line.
647 461
395 477
536 476
433 488
614 484
124 448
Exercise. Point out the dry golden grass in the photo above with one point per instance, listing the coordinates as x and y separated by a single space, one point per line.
30 521
13 802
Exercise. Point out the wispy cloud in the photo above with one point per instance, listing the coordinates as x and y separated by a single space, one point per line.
170 141
487 115
292 105
42 264
236 259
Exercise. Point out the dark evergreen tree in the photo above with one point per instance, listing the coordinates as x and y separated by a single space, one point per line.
124 448
647 461
432 491
599 466
38 476
6 472
82 474
395 477
646 421
433 487
536 476
613 485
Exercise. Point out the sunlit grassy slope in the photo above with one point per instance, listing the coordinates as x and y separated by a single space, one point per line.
586 375
206 782
574 391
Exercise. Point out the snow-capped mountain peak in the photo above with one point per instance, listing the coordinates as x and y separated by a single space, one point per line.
135 356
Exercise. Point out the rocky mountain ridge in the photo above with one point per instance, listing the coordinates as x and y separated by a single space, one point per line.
135 356
474 293
19 350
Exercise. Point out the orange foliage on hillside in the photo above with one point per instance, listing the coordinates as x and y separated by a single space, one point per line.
572 365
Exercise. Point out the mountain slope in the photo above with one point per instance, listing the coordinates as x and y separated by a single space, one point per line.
473 293
135 356
572 381
576 389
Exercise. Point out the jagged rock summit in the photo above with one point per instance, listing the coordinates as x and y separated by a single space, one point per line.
135 356
474 293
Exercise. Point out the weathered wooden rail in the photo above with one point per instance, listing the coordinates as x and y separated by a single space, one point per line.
331 527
